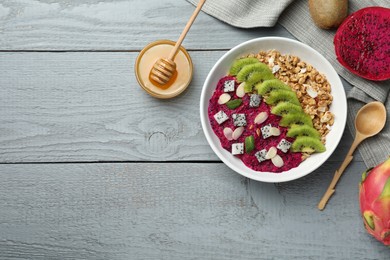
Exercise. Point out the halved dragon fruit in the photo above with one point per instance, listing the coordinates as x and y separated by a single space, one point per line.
362 43
374 194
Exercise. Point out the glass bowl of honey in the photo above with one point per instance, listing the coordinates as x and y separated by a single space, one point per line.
179 81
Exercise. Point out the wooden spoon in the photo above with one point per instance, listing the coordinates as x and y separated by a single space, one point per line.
164 68
369 121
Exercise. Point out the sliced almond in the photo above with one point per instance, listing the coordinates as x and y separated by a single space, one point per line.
275 69
224 98
303 70
271 61
240 92
274 131
277 161
311 92
238 132
271 153
261 117
228 132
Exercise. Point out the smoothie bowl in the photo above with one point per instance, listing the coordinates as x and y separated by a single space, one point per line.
273 109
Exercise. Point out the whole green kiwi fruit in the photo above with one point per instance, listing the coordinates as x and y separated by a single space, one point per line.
328 14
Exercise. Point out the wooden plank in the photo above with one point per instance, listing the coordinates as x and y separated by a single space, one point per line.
57 107
176 211
113 25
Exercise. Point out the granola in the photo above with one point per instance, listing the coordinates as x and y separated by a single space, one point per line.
312 87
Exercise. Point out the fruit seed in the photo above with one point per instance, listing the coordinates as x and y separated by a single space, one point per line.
228 132
277 161
238 132
261 117
240 90
274 131
224 98
271 153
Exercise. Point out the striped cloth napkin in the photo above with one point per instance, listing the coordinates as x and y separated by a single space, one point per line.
294 16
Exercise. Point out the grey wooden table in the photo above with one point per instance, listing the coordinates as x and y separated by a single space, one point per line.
94 168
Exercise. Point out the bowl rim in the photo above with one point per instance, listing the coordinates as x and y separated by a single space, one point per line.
205 120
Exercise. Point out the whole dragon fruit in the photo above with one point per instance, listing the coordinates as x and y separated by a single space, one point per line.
362 43
375 201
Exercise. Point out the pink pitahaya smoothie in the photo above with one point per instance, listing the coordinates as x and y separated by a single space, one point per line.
290 159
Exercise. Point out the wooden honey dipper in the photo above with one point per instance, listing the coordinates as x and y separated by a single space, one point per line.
164 68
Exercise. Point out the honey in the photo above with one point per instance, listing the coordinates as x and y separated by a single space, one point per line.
148 57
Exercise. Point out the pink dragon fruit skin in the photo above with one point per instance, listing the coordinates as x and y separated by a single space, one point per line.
362 43
375 201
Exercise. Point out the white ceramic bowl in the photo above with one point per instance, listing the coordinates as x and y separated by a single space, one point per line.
305 53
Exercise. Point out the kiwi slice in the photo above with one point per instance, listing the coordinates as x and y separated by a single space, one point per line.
240 63
249 144
270 85
233 104
248 88
283 108
303 130
256 78
296 119
280 95
308 145
246 72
